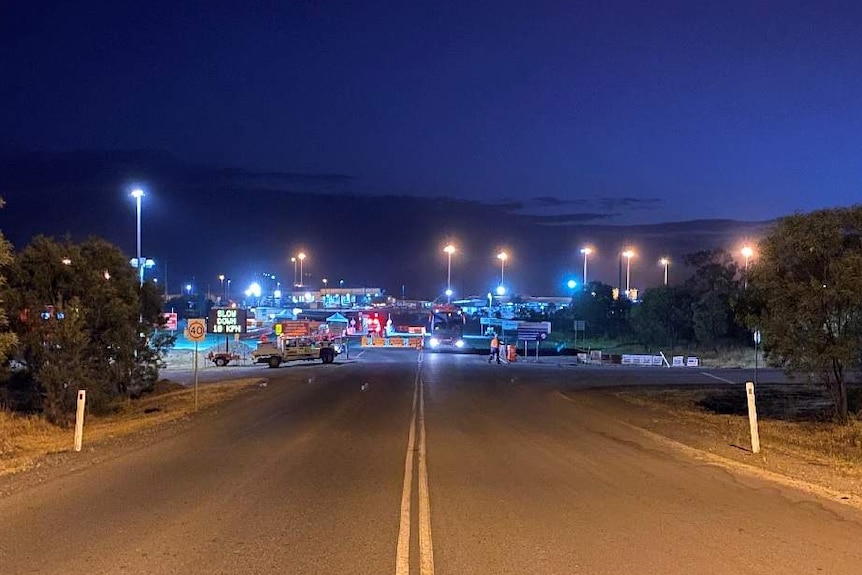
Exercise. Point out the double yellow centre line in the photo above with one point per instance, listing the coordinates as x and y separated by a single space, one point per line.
426 550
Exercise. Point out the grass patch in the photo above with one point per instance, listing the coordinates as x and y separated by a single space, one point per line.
24 439
791 417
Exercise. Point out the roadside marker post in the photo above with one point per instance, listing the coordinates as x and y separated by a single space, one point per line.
752 417
196 376
196 331
79 419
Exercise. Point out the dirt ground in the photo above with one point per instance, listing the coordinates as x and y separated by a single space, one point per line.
800 445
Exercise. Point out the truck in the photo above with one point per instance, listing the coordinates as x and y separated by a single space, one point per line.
286 349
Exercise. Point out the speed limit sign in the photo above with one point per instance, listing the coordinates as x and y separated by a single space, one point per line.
196 330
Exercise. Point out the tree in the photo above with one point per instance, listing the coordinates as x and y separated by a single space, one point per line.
65 367
604 315
102 342
715 291
807 286
663 316
711 318
7 338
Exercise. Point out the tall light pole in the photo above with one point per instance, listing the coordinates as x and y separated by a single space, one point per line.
586 251
301 258
293 261
138 193
221 279
628 254
665 262
747 252
502 256
450 249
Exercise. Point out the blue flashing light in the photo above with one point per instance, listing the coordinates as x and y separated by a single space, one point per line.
572 284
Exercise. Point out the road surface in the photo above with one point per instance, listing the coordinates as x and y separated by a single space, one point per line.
386 464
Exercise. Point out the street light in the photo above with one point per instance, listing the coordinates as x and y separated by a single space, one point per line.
138 193
293 260
628 254
747 252
450 249
221 279
665 262
586 251
502 256
301 257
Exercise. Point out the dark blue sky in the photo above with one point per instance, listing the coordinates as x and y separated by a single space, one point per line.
634 111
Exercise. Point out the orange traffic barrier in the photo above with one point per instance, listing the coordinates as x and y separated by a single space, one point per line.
511 353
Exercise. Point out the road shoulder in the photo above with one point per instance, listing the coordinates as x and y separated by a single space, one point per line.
724 441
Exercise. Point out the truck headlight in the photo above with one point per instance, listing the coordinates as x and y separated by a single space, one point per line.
459 343
434 342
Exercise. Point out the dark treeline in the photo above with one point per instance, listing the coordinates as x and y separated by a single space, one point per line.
705 311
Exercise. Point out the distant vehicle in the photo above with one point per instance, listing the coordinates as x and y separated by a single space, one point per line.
222 358
286 349
446 327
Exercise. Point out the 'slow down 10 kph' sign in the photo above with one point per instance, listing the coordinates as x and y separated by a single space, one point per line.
196 330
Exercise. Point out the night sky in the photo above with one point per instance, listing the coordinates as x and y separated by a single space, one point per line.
599 112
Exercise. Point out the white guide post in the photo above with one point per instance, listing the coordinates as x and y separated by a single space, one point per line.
79 419
752 417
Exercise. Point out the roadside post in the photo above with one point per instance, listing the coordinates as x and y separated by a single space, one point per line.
79 419
196 331
540 337
752 417
756 343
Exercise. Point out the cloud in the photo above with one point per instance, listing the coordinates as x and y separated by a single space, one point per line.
547 209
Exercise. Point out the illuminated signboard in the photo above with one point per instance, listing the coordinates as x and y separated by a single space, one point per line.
227 320
170 321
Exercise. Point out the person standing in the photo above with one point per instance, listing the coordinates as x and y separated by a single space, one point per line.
495 349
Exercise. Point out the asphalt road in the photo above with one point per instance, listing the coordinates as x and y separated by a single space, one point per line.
388 464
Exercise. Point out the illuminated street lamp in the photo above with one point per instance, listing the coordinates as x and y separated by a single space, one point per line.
450 249
293 261
138 193
221 279
747 252
502 256
586 251
301 258
666 263
628 254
